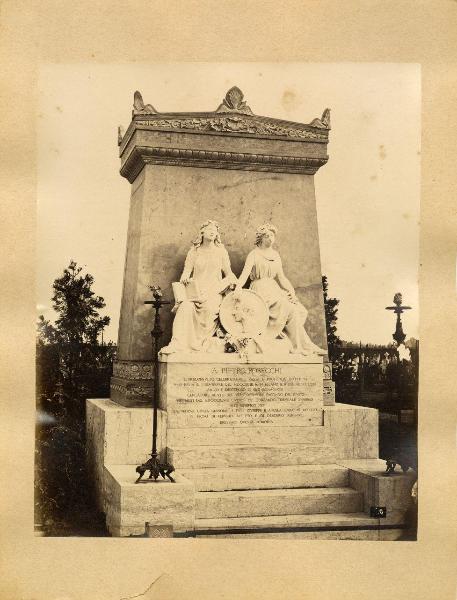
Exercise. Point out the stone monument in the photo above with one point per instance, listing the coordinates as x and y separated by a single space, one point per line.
247 414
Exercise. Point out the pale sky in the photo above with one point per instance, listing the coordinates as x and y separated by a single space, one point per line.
367 194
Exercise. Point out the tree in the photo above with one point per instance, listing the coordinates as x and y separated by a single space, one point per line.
71 366
70 360
77 305
331 310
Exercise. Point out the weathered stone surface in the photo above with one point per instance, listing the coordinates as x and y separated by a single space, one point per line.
357 519
216 395
393 491
126 392
352 526
205 436
118 435
169 203
158 531
252 503
275 354
95 451
329 392
366 535
250 456
352 430
285 476
132 383
161 504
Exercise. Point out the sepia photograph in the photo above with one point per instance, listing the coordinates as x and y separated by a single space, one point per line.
227 325
229 300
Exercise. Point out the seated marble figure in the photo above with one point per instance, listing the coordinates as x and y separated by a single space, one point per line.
208 272
287 315
207 267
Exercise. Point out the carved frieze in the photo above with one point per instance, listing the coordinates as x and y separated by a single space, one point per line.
235 123
233 116
137 391
133 370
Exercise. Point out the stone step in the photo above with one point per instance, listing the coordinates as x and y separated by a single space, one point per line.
206 436
246 478
244 455
257 503
340 526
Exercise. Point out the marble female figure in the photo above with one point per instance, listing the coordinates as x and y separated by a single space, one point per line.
206 263
287 315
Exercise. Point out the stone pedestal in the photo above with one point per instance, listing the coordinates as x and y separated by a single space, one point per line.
116 436
132 509
305 481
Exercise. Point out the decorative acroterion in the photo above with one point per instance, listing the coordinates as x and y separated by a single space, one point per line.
234 103
140 108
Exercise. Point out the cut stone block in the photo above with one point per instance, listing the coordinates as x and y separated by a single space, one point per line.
204 436
215 395
119 435
252 503
366 535
392 491
249 456
352 430
342 526
129 506
243 478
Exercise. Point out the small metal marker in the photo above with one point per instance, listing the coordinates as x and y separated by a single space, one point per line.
378 512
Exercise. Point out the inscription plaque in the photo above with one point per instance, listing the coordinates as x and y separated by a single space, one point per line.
224 395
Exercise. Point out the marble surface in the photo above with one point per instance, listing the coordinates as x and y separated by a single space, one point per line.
284 476
161 225
352 430
241 395
250 456
258 435
363 527
393 491
277 502
118 435
130 506
235 358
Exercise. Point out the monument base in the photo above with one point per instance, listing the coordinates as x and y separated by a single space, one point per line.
290 499
132 508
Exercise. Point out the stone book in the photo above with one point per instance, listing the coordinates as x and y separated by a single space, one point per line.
192 291
182 292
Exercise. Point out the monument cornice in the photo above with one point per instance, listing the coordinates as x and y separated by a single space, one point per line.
232 119
143 155
251 126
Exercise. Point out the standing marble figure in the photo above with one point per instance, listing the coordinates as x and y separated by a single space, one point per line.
287 315
196 319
